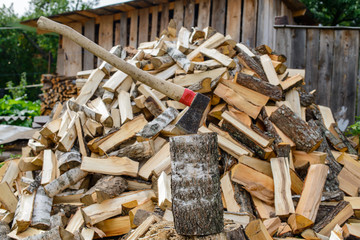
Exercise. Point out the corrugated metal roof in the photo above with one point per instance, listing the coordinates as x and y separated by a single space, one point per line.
14 118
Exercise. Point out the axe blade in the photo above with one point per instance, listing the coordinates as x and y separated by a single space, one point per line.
190 121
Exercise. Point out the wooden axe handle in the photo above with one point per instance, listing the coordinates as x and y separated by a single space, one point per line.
171 90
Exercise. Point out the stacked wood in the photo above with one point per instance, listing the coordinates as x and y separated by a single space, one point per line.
56 89
267 162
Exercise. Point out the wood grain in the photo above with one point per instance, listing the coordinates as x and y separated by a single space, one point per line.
72 53
134 28
89 32
154 22
144 25
218 15
233 19
204 16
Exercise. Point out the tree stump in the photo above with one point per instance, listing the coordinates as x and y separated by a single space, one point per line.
195 185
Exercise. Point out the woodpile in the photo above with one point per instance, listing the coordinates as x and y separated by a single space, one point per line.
266 163
56 89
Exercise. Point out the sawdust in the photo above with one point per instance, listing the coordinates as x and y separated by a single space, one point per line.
162 230
166 230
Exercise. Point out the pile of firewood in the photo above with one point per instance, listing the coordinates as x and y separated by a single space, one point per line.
266 162
56 89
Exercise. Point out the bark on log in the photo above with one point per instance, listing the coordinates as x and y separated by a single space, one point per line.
227 160
70 177
269 127
242 138
326 221
180 59
153 107
332 183
34 184
162 62
333 196
252 64
195 185
88 112
68 160
107 187
273 92
42 208
351 149
55 233
314 112
243 198
159 123
334 141
323 211
137 151
235 232
305 138
283 150
306 99
4 230
58 220
69 210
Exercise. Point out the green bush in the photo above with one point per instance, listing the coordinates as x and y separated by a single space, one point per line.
19 91
19 107
355 128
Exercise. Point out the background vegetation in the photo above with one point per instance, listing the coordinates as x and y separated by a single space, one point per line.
335 12
22 50
26 55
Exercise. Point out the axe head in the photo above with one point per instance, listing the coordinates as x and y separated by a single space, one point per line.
190 121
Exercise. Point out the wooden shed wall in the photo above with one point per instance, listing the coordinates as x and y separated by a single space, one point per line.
248 21
330 57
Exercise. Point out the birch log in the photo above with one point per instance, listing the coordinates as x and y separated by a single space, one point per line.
4 230
57 233
107 187
42 208
68 160
195 185
68 178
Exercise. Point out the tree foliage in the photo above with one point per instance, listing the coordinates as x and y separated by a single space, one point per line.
47 8
335 12
18 54
25 51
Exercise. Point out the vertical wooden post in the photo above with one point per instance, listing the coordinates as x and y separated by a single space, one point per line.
89 32
134 28
233 19
154 22
164 16
248 23
123 29
204 16
143 25
189 18
195 185
218 15
72 53
179 14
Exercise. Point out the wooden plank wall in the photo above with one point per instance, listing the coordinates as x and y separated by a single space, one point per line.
72 53
248 21
330 58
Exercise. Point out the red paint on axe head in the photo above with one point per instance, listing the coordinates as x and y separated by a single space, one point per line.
187 97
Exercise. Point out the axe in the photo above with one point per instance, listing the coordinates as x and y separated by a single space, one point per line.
189 122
